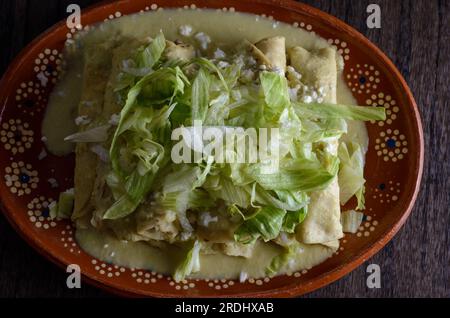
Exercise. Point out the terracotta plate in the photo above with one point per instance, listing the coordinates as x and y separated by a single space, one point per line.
28 185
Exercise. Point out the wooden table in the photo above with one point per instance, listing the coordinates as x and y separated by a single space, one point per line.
415 35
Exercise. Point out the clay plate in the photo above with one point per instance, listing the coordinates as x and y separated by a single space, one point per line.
393 169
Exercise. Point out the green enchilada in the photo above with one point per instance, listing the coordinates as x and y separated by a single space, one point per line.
143 77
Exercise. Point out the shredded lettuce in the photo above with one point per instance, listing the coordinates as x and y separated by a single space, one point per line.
275 89
121 208
325 110
231 194
290 252
190 263
294 218
159 95
351 173
179 202
151 54
138 126
301 176
96 134
181 179
282 199
203 62
266 223
64 207
200 95
351 221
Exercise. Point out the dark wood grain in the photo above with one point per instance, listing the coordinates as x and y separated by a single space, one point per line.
415 35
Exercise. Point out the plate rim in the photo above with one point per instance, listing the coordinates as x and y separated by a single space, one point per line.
289 290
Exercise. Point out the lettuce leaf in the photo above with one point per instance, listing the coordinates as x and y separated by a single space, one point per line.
266 223
325 110
190 263
200 95
294 218
275 90
286 200
64 207
231 193
96 134
179 202
289 253
351 221
351 173
302 175
151 54
121 208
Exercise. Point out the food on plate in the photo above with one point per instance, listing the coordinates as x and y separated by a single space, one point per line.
148 102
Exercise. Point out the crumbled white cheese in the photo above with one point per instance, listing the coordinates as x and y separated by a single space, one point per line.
292 73
223 64
219 54
251 60
278 70
42 78
284 239
185 30
239 60
307 99
293 92
101 152
262 67
312 95
203 39
206 218
42 154
53 182
243 277
105 246
247 75
82 120
114 120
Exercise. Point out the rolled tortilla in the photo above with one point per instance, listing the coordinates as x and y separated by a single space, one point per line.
179 51
112 104
272 52
97 66
322 224
100 194
318 69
